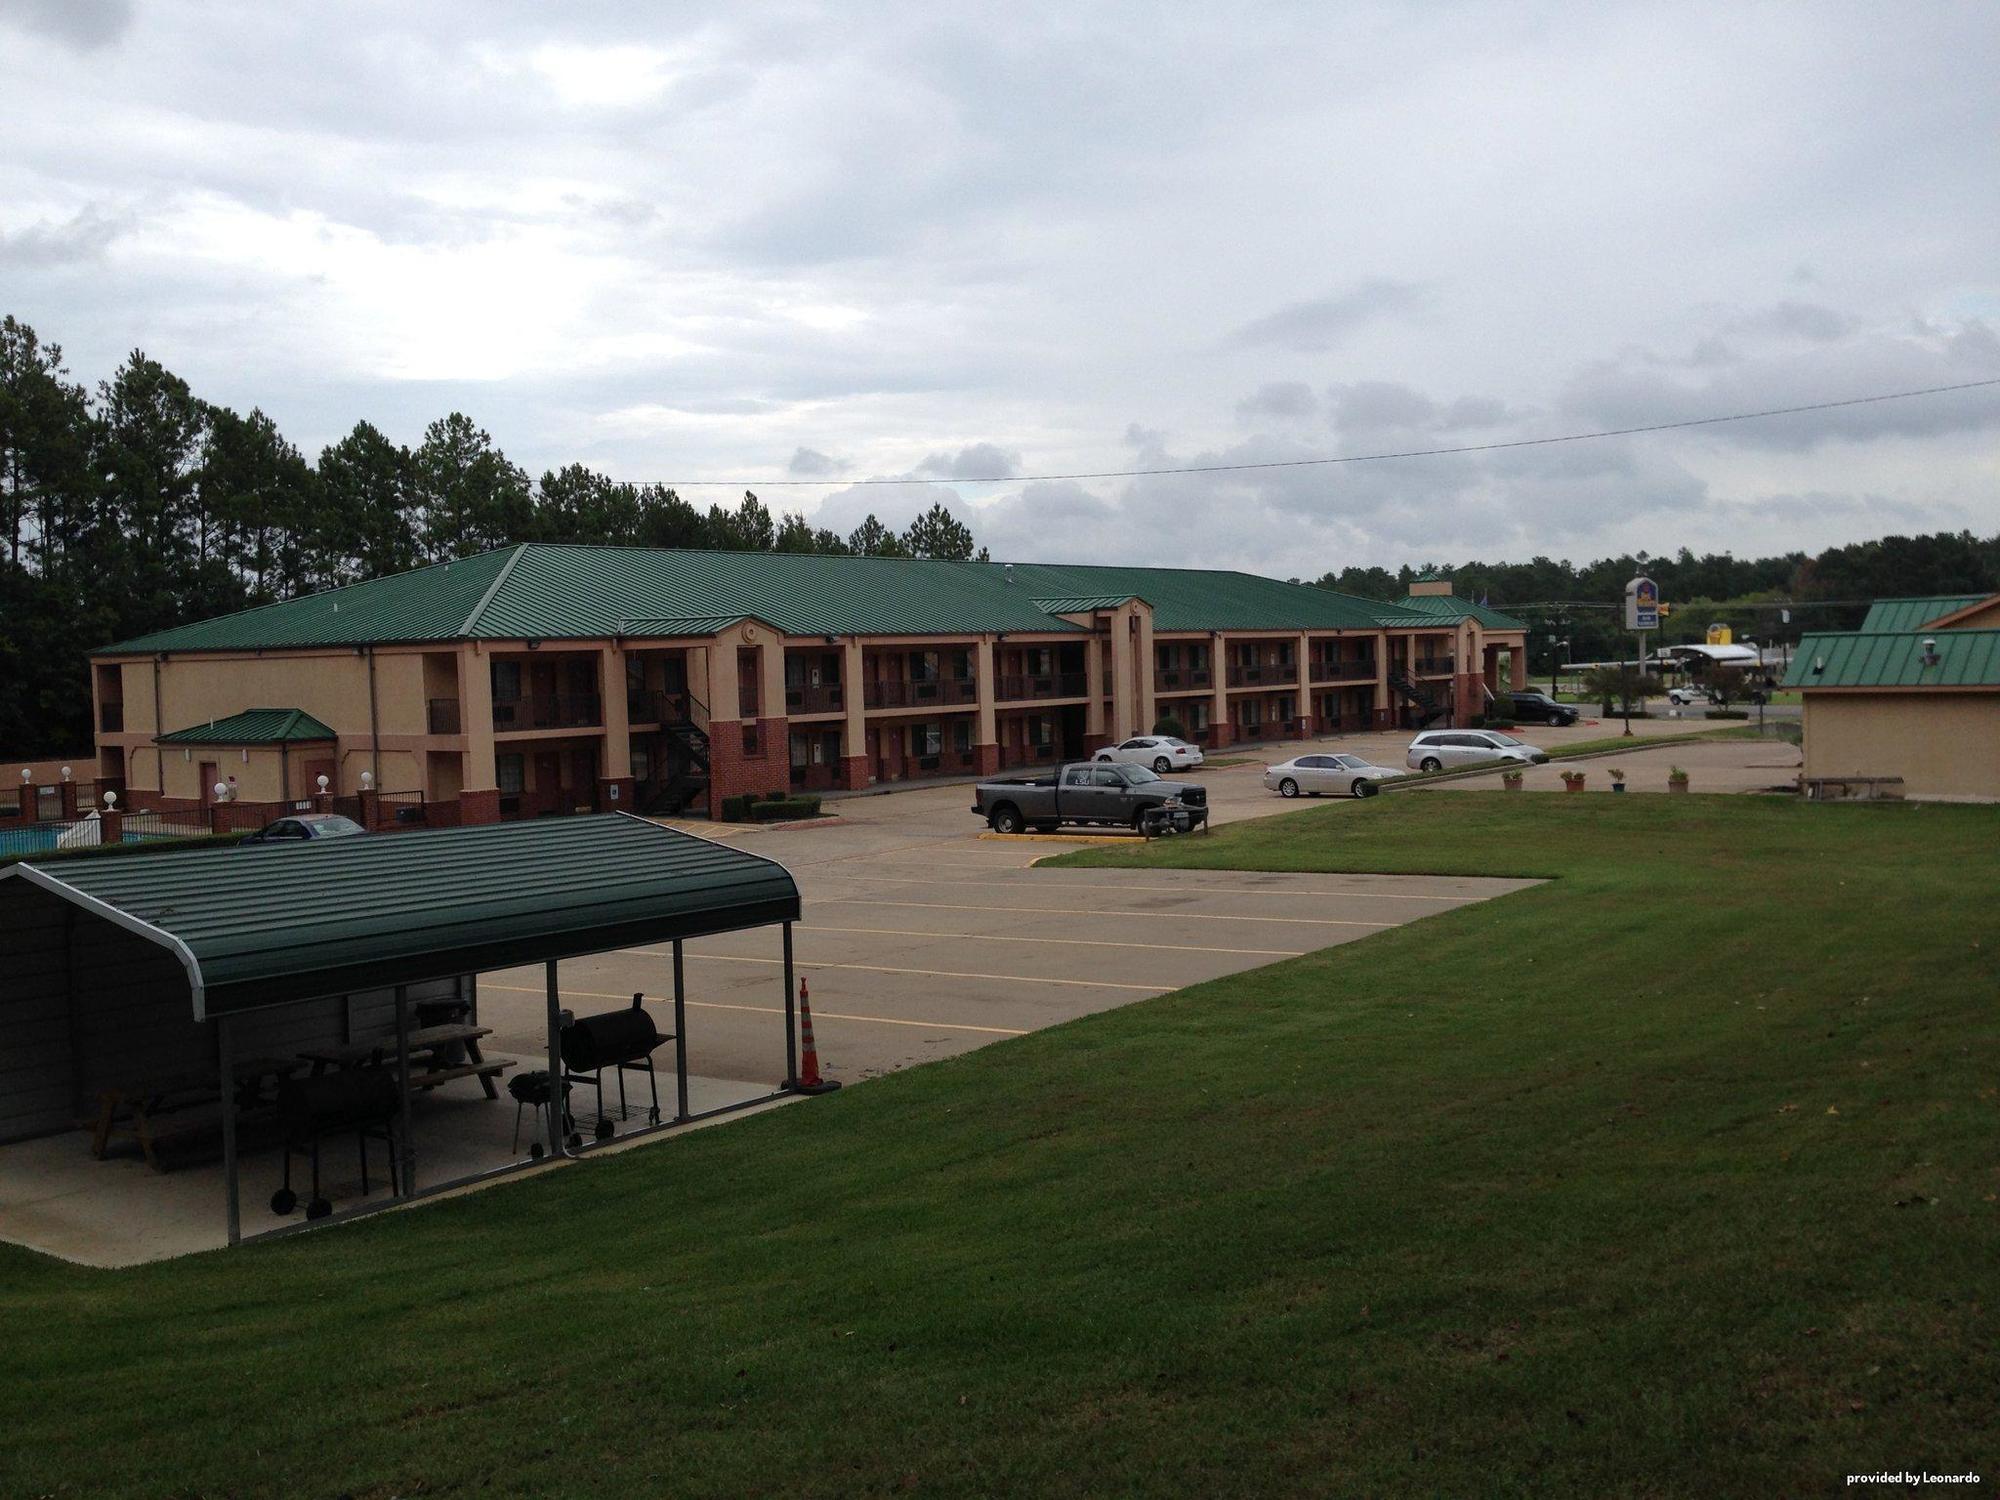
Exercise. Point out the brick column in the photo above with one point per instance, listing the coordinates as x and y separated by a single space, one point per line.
1307 710
1094 734
1384 643
986 691
1144 659
614 777
1218 681
475 719
1124 699
1517 665
854 728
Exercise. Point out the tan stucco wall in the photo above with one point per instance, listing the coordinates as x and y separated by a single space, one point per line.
1985 617
1941 744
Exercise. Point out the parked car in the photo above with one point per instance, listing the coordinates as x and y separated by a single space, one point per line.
1537 708
1315 775
1159 752
1089 792
1437 749
302 828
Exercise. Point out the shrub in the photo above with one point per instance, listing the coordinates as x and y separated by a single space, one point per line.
1167 724
783 809
737 809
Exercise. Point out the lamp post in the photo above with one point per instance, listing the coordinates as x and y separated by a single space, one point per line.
1556 649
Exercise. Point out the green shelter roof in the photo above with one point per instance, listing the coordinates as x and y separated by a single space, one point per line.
254 726
555 592
1916 613
271 924
1882 659
1451 607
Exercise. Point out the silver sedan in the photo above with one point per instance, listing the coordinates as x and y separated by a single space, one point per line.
1313 775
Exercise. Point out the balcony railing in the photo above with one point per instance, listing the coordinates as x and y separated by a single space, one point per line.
444 716
821 698
893 692
1352 670
1275 675
1434 666
548 711
1030 686
110 717
1181 679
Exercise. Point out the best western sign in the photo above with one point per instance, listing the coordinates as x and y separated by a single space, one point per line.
1642 605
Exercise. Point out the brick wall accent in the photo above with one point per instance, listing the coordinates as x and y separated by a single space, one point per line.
478 807
614 793
986 759
854 773
731 772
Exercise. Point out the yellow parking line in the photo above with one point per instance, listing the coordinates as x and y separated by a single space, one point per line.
1079 911
1176 890
773 1010
990 937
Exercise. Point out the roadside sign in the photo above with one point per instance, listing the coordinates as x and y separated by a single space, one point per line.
1642 604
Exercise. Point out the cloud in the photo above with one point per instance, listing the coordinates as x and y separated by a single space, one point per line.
85 25
1278 400
1327 322
979 461
810 463
79 240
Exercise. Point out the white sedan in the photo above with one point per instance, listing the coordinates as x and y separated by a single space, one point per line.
1160 753
1315 774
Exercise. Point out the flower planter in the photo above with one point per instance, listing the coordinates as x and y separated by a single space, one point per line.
1618 786
1677 784
1510 783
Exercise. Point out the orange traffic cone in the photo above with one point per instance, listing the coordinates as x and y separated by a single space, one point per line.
809 1080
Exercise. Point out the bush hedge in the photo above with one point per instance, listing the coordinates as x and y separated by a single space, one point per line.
754 807
1167 724
136 846
1727 713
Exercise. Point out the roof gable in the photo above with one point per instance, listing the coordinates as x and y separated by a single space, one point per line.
1882 659
1916 612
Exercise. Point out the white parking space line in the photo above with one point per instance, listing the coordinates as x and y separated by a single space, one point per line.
995 937
803 963
1081 911
1176 890
773 1010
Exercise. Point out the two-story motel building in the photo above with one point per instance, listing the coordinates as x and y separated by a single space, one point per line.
550 678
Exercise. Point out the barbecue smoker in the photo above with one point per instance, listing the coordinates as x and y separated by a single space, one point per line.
624 1040
363 1100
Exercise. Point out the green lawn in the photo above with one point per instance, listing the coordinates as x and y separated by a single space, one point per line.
1675 1175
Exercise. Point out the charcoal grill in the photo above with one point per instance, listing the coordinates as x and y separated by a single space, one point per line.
623 1040
363 1100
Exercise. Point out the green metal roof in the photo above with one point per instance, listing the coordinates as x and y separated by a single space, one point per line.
1083 605
1451 607
268 925
555 592
1916 613
1881 659
254 726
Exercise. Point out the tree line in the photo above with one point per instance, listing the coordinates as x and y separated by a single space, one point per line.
1830 590
138 505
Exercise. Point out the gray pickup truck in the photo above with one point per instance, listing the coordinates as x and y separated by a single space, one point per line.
1087 792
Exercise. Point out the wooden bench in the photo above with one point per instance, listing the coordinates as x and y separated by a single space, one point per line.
156 1111
425 1044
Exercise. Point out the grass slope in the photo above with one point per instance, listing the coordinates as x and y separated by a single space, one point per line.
1675 1175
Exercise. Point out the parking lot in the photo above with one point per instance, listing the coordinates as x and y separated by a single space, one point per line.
924 936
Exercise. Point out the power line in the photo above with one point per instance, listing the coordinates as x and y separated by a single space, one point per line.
1348 458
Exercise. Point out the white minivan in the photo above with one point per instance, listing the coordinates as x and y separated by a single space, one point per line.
1438 749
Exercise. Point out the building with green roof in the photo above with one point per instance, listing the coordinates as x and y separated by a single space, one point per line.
1911 699
544 678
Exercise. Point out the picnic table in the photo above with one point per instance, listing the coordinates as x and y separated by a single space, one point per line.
147 1108
429 1045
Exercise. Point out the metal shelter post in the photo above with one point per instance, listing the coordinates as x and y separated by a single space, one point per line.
407 1157
680 1035
225 1047
791 1017
558 1100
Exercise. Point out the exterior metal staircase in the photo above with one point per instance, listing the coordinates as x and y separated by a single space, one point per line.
1429 707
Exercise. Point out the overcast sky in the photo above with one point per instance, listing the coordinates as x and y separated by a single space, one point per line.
774 242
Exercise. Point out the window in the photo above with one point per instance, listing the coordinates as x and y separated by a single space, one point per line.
1045 732
509 771
1077 776
506 682
642 763
928 739
1107 776
961 736
1137 745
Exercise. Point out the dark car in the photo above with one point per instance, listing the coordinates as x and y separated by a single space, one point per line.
1538 708
302 828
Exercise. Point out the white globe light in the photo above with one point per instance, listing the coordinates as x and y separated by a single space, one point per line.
67 773
110 799
221 792
322 783
367 781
